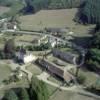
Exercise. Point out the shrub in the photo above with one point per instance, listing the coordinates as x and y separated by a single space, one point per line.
81 79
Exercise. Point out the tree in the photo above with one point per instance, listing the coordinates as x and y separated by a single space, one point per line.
40 89
96 40
94 58
9 48
90 12
10 95
24 94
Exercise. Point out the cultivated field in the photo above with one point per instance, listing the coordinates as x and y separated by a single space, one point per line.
3 9
53 18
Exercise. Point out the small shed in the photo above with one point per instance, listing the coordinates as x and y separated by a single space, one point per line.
56 30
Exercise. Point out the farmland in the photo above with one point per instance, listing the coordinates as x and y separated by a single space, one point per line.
54 18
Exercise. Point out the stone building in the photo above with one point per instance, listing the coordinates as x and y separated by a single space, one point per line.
25 57
55 71
68 57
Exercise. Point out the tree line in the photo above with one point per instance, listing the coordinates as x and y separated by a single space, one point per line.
32 6
89 13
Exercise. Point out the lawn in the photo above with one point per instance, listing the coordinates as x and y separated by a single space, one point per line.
55 80
67 95
34 69
27 38
53 18
90 77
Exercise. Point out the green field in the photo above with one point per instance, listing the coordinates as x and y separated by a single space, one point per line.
53 18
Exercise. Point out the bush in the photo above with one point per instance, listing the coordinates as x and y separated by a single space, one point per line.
81 79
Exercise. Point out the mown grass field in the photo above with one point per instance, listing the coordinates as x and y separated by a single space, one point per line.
53 18
3 10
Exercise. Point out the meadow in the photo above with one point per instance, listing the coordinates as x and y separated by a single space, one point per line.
54 18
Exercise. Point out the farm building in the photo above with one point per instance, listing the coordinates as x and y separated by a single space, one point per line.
56 30
10 26
55 71
68 57
25 57
52 41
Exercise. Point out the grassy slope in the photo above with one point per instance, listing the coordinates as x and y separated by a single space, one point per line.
53 18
